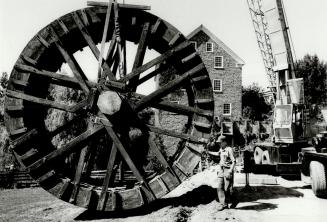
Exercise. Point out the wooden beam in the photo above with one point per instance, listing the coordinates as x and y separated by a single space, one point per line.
46 176
86 34
204 101
43 41
34 133
59 78
148 76
133 20
200 78
168 88
111 50
18 82
155 27
141 46
91 44
29 60
110 166
63 127
20 162
181 109
63 26
176 108
67 149
190 57
198 149
127 158
124 153
170 53
176 134
24 138
120 43
63 190
90 159
103 41
66 80
115 62
84 17
128 6
202 124
14 108
29 154
124 56
141 49
145 129
78 174
18 131
71 61
175 39
162 159
47 103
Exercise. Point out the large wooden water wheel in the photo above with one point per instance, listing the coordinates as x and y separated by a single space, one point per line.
95 143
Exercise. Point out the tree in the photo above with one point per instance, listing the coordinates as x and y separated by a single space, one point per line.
3 86
314 73
254 106
4 80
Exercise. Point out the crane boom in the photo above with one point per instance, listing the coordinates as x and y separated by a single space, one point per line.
261 32
272 32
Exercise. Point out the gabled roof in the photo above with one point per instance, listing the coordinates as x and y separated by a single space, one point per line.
218 41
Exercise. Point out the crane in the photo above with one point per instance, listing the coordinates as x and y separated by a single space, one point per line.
273 37
290 151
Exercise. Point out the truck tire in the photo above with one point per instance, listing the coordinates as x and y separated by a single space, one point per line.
258 155
318 177
265 157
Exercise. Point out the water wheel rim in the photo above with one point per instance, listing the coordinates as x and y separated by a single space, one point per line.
34 63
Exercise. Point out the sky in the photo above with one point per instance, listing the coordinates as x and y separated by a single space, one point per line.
229 20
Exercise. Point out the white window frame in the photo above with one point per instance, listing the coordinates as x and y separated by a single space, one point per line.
222 62
230 109
220 83
195 44
209 43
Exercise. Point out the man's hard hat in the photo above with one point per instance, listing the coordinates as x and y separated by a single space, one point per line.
221 139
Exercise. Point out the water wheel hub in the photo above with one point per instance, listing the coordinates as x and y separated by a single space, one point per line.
109 102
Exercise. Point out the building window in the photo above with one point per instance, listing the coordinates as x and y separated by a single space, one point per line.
209 47
217 85
194 44
227 109
218 62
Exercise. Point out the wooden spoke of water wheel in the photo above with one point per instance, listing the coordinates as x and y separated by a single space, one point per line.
62 138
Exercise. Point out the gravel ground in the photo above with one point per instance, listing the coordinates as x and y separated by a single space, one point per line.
194 200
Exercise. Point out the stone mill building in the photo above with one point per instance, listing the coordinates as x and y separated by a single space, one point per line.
225 69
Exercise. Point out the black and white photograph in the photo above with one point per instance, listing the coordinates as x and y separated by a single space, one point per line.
163 111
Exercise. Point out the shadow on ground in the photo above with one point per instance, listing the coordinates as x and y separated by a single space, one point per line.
259 206
202 195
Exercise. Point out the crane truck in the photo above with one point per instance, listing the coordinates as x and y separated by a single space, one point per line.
292 150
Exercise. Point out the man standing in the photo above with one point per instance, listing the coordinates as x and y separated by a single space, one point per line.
225 174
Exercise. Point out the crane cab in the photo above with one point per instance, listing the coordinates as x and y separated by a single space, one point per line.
288 123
